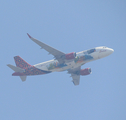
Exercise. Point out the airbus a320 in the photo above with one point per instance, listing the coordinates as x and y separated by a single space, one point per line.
70 62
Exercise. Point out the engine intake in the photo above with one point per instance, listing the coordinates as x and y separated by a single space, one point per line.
86 71
70 56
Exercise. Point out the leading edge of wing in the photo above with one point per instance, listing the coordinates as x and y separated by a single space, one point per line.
56 53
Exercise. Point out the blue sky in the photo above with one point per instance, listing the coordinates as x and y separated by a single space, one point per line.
69 26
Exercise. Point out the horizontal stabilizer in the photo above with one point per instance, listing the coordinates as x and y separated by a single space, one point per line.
23 78
16 69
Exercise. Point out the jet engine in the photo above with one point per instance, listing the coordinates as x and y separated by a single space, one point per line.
86 71
70 56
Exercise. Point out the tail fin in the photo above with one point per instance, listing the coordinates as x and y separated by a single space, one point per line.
17 69
23 78
20 62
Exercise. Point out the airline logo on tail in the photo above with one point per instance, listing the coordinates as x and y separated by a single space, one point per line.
24 69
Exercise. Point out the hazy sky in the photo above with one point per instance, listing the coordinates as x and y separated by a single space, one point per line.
69 26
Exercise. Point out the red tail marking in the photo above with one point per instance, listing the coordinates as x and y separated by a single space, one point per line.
20 62
29 35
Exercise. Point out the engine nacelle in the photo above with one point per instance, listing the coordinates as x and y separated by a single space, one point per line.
86 71
70 56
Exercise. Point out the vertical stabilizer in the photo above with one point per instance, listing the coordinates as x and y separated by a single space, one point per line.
23 78
20 62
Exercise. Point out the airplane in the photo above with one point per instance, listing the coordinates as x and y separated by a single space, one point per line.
70 62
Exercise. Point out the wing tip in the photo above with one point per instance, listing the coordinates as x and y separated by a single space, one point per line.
29 35
75 82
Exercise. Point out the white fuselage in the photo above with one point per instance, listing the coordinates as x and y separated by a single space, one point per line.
80 59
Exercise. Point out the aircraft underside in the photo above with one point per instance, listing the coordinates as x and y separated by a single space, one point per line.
71 62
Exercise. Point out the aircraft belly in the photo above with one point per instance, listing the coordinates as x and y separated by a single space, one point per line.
54 66
62 69
69 67
41 67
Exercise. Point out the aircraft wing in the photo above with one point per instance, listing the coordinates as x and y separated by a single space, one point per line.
76 79
75 75
56 53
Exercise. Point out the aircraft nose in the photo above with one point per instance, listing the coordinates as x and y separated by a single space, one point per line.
110 51
105 52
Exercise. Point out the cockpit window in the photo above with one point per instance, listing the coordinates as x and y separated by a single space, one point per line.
91 51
